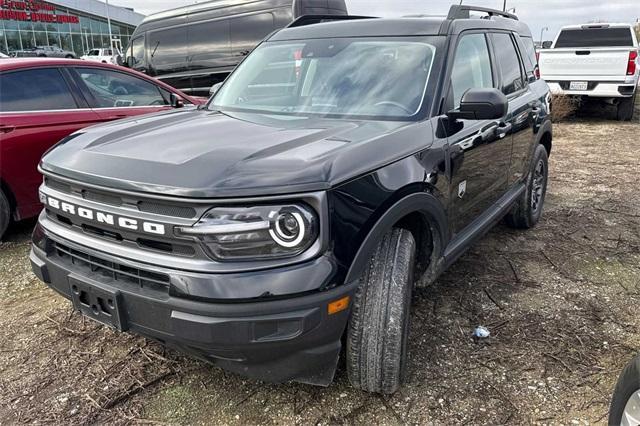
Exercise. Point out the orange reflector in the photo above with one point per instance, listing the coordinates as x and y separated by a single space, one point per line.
338 305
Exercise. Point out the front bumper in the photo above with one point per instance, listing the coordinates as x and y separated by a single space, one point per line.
272 340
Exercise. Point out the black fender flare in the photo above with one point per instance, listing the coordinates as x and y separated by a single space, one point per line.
545 127
420 202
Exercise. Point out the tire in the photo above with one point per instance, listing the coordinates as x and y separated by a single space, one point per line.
528 209
625 108
628 386
69 56
5 213
376 350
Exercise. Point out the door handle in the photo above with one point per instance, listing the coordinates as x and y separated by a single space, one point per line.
503 130
7 129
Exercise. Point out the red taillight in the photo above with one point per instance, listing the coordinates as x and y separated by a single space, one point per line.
537 73
631 67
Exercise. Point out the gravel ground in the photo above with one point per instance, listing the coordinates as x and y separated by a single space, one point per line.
560 302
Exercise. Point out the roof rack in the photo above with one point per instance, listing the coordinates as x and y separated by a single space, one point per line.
464 12
316 19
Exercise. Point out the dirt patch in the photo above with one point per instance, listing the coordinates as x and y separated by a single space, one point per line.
560 302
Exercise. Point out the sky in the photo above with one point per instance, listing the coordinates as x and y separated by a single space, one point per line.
538 14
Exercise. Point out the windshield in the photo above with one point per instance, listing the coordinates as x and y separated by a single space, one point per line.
383 78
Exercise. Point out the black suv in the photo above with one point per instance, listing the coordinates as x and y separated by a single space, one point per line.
338 166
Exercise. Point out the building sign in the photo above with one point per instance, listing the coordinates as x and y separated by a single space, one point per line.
34 11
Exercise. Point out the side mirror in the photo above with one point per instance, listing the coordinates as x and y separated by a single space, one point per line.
176 101
547 44
481 104
214 89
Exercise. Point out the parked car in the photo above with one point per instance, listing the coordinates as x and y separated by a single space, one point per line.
594 61
45 52
44 100
106 56
2 55
625 403
338 165
196 46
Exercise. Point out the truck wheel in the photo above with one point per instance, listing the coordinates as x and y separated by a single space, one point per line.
5 213
625 404
377 334
69 56
528 209
625 108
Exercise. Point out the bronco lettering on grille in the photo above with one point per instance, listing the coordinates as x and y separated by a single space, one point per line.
106 218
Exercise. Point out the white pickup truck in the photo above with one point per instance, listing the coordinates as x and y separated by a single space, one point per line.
594 60
106 56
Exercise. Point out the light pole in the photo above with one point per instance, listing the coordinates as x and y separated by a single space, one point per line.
542 30
109 25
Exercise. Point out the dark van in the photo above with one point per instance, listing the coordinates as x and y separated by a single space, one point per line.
194 47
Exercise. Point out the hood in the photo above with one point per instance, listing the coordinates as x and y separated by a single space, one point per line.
202 153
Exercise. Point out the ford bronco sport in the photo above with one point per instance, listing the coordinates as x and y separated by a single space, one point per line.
338 166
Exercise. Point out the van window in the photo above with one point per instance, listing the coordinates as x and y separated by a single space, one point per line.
209 44
167 49
135 58
248 31
508 62
595 37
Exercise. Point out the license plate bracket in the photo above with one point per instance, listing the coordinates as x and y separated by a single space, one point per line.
97 302
578 85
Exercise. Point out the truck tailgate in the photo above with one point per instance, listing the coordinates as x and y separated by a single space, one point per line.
576 64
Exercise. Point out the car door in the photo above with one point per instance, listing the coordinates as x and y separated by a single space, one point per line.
117 94
38 108
480 150
532 101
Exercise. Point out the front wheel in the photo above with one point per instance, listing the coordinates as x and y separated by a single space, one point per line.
528 209
379 326
625 404
5 213
69 56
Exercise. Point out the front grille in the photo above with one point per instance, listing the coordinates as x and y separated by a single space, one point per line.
112 199
167 209
101 197
93 265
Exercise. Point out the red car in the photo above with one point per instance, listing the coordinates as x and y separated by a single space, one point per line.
44 100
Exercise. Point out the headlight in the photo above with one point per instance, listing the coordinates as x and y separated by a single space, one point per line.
255 233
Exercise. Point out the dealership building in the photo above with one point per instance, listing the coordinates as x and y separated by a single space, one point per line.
74 25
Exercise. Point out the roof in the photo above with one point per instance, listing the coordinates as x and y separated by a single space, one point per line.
407 26
597 25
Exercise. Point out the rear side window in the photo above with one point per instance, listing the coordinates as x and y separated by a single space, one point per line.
471 66
595 37
35 90
508 63
529 56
